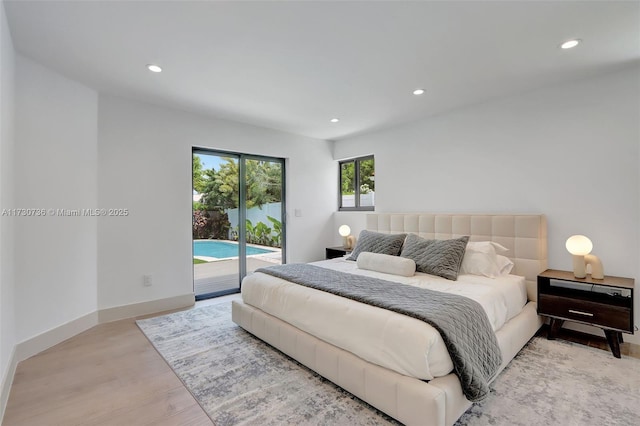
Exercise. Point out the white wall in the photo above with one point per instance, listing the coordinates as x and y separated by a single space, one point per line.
7 284
144 164
570 152
55 168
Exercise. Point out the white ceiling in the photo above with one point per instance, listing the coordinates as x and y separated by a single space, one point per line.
293 66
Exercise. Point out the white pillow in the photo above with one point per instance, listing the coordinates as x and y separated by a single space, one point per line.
480 258
504 264
499 248
386 263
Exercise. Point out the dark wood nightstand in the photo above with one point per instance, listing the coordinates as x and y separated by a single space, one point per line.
605 303
333 252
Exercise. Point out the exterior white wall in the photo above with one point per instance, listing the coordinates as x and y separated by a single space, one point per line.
257 214
570 152
7 282
55 168
144 164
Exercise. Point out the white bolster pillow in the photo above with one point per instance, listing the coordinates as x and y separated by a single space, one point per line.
387 264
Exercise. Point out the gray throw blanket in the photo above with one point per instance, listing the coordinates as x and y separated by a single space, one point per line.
462 322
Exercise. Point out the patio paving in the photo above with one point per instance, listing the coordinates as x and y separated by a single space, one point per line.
223 274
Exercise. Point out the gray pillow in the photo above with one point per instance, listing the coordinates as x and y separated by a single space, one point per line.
376 242
436 257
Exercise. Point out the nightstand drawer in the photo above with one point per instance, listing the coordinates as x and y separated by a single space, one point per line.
608 316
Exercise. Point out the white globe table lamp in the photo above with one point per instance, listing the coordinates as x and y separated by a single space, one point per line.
580 247
349 240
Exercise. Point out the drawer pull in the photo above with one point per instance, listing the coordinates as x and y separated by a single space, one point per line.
586 314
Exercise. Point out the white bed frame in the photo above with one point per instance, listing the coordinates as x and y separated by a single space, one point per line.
409 400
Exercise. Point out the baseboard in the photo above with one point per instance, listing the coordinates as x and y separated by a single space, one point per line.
588 329
7 381
50 338
146 308
632 338
37 344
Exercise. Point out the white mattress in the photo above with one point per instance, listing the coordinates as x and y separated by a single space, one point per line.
398 342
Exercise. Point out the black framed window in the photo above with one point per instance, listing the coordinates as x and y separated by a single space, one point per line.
357 184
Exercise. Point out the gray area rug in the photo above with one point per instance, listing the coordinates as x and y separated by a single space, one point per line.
555 382
238 379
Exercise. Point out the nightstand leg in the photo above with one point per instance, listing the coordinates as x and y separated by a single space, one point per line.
620 339
556 325
613 337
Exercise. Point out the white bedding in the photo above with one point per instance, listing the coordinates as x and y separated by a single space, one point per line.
398 342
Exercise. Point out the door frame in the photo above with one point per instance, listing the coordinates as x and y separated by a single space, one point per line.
242 209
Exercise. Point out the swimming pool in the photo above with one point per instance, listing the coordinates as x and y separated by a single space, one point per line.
222 249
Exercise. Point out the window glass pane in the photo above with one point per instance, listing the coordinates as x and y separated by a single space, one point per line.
215 247
347 184
263 213
367 183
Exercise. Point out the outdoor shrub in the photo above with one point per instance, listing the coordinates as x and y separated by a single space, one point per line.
201 226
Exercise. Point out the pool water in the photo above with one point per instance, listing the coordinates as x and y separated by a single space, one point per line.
222 249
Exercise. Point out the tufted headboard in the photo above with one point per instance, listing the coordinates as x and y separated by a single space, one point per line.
524 235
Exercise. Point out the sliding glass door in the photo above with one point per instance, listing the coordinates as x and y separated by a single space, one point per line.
238 218
263 212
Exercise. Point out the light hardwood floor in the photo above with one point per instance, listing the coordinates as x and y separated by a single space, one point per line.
111 375
108 375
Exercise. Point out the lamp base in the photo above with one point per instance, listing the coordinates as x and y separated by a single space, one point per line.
597 271
579 269
349 242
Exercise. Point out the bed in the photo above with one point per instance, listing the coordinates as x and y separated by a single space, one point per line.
432 396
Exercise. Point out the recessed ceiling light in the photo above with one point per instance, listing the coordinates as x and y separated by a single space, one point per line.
154 68
334 120
418 91
570 43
